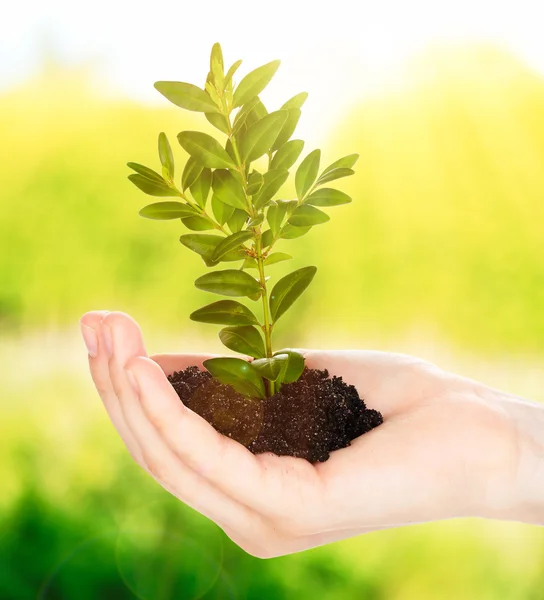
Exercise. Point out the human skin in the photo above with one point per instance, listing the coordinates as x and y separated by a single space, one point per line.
449 447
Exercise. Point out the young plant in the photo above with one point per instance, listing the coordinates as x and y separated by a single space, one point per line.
243 174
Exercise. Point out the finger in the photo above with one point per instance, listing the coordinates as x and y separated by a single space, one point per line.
92 329
170 363
162 463
260 482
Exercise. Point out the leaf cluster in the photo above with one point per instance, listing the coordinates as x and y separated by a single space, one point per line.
231 188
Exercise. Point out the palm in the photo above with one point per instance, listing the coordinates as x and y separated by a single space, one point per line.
401 472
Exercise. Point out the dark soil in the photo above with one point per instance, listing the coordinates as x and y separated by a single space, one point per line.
307 419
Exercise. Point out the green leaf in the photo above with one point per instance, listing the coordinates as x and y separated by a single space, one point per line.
254 183
151 186
327 197
307 172
197 223
221 211
290 232
245 340
255 114
335 174
271 368
288 289
228 189
200 189
163 211
240 118
237 373
216 64
231 71
296 101
260 136
238 220
267 238
276 257
307 216
249 263
191 172
288 129
146 172
218 121
276 214
230 282
165 154
272 182
346 162
205 149
232 242
287 155
225 312
254 83
186 95
295 365
204 244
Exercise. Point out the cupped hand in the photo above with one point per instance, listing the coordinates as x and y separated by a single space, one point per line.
445 449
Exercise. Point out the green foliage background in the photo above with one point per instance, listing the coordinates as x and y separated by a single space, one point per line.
442 249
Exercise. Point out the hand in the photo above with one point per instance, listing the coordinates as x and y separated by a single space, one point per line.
448 447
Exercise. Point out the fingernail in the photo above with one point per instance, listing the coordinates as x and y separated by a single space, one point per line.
132 381
90 339
108 340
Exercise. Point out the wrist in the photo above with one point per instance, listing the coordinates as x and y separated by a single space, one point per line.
522 495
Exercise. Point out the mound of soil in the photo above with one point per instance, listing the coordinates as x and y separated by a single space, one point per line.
308 418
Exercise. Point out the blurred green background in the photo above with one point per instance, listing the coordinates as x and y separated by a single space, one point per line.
441 254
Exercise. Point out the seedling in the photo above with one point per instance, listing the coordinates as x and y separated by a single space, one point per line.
244 174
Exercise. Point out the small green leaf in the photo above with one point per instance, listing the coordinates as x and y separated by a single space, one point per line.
327 197
267 238
238 220
146 172
237 373
249 263
276 214
276 257
272 182
228 189
205 149
255 114
335 174
254 83
296 101
231 71
152 186
221 211
186 95
200 189
191 172
204 244
245 340
163 211
307 216
287 155
307 172
271 368
288 129
254 183
165 154
231 282
346 162
288 289
295 366
232 242
218 121
290 232
225 312
260 136
197 223
240 118
216 64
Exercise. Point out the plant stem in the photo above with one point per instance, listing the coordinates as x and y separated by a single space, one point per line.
267 326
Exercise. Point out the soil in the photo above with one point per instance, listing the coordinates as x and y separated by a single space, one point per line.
308 418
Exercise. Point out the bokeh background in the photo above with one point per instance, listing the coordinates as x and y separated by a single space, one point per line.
441 254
